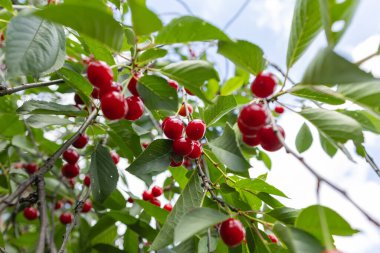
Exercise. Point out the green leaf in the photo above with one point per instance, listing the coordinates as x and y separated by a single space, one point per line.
40 121
310 220
296 240
34 46
43 107
222 106
115 201
244 54
304 138
190 198
153 210
144 21
306 25
10 124
329 68
101 247
179 174
151 54
368 121
76 81
104 231
103 173
334 12
284 214
317 93
195 221
232 85
154 160
157 94
192 29
86 19
226 149
327 145
131 242
7 4
192 74
257 185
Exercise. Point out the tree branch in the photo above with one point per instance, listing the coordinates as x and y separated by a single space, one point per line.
43 214
283 73
8 91
372 163
236 15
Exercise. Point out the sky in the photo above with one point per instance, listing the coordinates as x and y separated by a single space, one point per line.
267 23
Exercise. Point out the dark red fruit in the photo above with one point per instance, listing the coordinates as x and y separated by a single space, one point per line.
71 182
78 100
115 157
87 181
253 116
71 156
99 74
197 150
130 200
70 170
87 205
189 92
173 84
182 110
157 191
168 207
30 213
31 168
183 146
173 127
279 109
81 141
232 232
196 129
66 218
244 129
95 93
251 140
58 205
187 162
268 138
135 108
264 85
132 85
147 195
155 202
145 144
175 163
114 87
273 238
114 105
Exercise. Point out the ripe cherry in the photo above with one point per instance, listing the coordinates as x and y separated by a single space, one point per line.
71 156
182 110
95 93
173 84
279 109
70 170
99 74
175 163
87 181
183 147
245 130
130 200
147 195
30 213
114 105
173 127
268 138
273 238
145 144
135 108
157 191
66 218
264 85
115 157
251 140
58 205
114 87
232 232
197 150
196 129
155 202
132 85
253 115
87 205
81 141
168 207
31 168
78 100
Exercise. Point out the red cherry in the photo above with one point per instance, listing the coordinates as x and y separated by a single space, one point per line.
135 108
81 141
155 202
78 100
87 205
253 116
71 182
189 92
115 157
31 168
183 146
173 127
251 140
173 84
147 195
245 130
114 105
30 213
232 232
197 150
95 93
114 87
132 85
182 110
273 238
174 163
145 144
99 74
58 205
168 207
87 181
71 156
187 162
268 138
66 218
70 170
264 85
196 129
279 109
130 200
157 191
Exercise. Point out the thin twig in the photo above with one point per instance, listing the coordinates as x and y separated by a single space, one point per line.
8 91
43 214
236 15
208 240
283 73
367 58
372 163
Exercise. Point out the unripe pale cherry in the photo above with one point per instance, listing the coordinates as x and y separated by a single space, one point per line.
132 85
87 181
99 74
264 85
155 202
269 139
135 108
196 129
115 157
253 115
183 146
173 84
66 218
173 127
232 232
70 170
182 110
147 195
168 207
81 141
30 213
87 205
114 106
196 152
157 191
251 140
70 156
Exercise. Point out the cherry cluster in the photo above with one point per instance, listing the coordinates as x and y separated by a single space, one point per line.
152 196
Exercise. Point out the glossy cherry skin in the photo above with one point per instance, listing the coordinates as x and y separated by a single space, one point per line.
132 85
197 150
157 191
251 140
173 127
70 170
268 138
87 181
130 200
114 106
66 218
279 109
115 157
182 110
264 85
245 130
70 156
232 232
100 74
31 168
58 205
87 205
175 163
30 213
196 129
183 147
168 207
135 108
81 141
253 115
273 238
95 93
173 84
145 144
147 195
155 202
78 100
114 87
